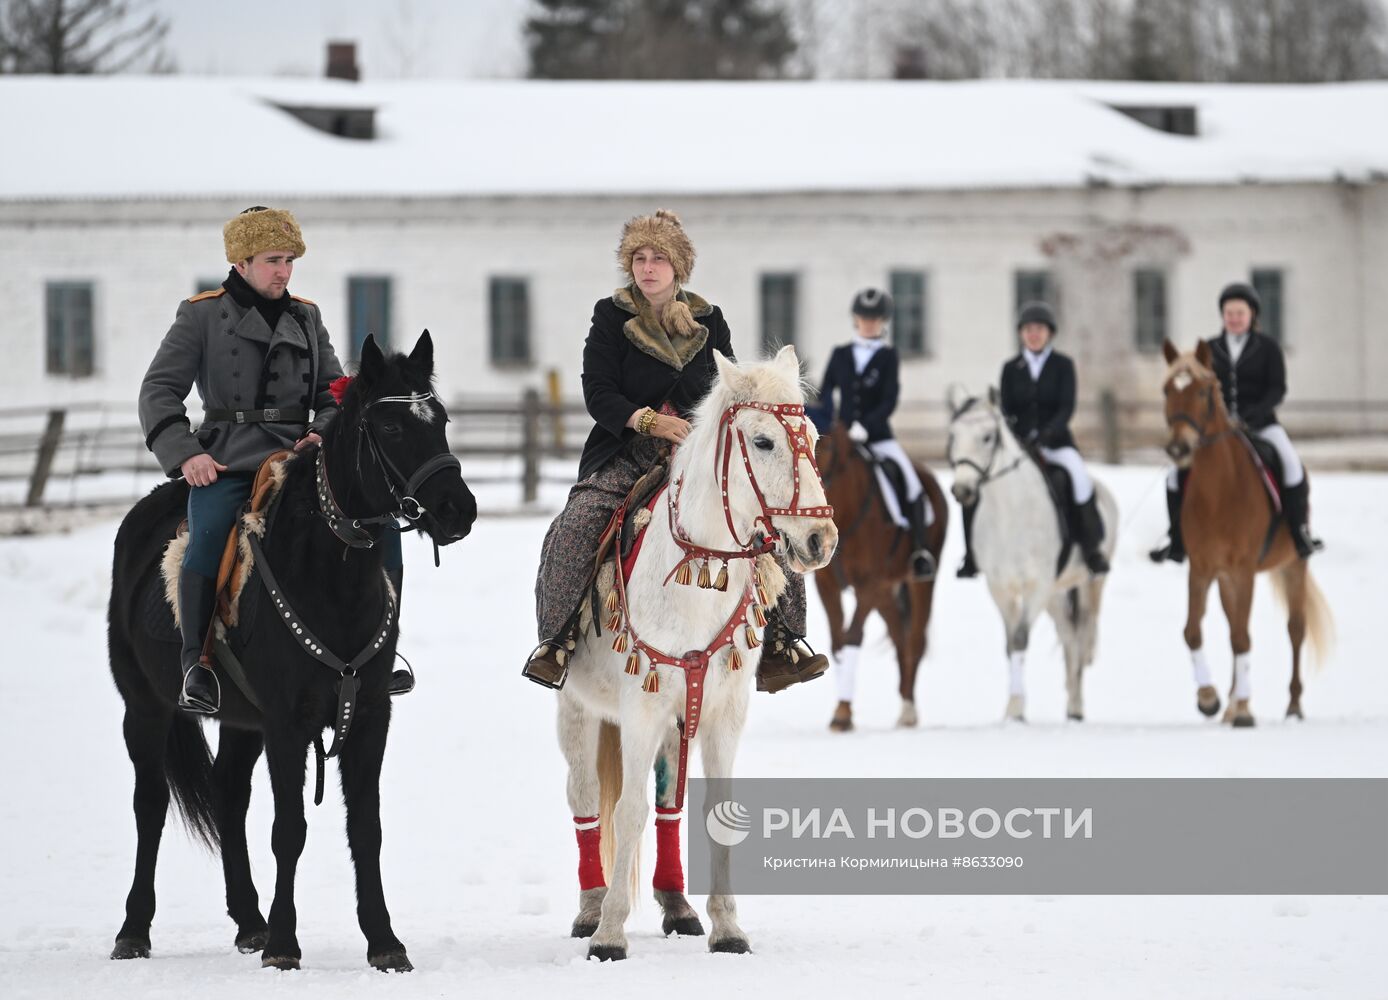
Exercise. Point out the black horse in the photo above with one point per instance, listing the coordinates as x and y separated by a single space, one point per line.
385 454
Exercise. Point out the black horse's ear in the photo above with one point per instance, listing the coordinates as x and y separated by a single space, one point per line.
372 360
422 357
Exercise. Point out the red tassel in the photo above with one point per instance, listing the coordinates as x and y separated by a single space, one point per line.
619 644
761 595
684 576
752 641
614 622
722 581
652 682
759 615
734 659
338 388
611 602
705 580
634 663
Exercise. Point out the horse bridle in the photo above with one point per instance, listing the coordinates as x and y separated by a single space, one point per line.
359 533
985 474
1203 438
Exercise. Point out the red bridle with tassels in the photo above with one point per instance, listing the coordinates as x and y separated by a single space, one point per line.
753 607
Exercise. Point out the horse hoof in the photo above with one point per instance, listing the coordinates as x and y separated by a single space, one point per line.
1075 716
607 952
682 926
582 930
908 718
252 942
129 948
730 946
287 963
1209 709
1294 712
1243 722
391 961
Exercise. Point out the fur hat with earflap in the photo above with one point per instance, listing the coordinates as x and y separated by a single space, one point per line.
664 233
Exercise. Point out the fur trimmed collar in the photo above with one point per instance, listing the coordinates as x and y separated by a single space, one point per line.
646 333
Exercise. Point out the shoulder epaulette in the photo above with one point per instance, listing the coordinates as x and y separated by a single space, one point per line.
211 293
300 298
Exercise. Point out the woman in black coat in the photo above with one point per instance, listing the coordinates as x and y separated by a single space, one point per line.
647 362
1038 390
1252 375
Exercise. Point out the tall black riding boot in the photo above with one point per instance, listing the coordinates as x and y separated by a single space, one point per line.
197 595
1295 508
1091 538
401 681
1175 547
922 562
967 568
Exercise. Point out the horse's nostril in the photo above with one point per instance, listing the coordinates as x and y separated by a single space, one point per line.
816 546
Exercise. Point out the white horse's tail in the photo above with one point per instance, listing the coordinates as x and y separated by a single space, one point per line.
609 791
1320 622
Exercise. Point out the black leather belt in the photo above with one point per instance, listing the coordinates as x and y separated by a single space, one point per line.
269 415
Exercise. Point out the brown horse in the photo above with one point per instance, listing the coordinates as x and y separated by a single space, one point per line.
1226 524
873 558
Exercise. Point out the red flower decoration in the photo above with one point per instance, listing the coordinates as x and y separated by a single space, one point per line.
338 387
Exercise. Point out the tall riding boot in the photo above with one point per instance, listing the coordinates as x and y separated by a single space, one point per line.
922 562
401 681
197 595
968 568
786 658
1296 509
1091 538
1175 547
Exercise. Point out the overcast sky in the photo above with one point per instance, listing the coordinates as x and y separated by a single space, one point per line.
395 38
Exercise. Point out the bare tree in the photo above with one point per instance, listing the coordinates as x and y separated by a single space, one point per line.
81 36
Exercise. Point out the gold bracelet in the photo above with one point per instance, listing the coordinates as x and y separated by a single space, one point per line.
646 421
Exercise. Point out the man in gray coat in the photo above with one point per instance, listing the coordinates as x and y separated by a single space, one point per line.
262 363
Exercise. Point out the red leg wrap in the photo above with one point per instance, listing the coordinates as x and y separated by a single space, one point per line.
669 870
589 853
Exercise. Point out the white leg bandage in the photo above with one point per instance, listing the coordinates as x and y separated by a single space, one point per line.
1201 668
1016 667
1069 460
1173 480
1243 680
1276 435
846 671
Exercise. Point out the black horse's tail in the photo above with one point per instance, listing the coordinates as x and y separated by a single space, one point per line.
188 768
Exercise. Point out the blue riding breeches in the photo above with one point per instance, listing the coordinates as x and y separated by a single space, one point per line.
212 510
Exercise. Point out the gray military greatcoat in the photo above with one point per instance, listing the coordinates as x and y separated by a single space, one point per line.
241 366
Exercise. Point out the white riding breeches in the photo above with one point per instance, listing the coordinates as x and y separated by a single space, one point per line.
1069 460
1275 435
890 450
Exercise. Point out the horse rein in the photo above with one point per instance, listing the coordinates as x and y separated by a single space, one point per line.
984 474
1204 439
356 532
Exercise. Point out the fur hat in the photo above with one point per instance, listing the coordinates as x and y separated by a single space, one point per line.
1036 312
664 232
259 229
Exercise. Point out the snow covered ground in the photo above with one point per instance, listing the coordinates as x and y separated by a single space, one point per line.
479 856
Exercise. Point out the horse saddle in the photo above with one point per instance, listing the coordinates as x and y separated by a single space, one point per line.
1269 465
1062 492
237 562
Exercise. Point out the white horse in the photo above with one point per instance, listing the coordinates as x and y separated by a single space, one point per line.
744 489
1017 542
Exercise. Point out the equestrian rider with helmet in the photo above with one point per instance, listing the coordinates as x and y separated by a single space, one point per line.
1252 374
1038 392
262 363
866 374
647 362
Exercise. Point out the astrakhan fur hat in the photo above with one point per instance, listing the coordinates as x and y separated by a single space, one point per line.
259 229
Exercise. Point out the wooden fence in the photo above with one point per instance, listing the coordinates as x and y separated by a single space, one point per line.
101 446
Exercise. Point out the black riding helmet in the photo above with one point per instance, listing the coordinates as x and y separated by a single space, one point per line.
1036 312
872 303
1239 290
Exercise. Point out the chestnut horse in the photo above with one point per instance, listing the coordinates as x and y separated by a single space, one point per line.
1226 523
874 560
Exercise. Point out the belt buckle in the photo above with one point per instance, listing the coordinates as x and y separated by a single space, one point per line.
240 416
272 415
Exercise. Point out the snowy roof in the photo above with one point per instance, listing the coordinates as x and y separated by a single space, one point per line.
136 137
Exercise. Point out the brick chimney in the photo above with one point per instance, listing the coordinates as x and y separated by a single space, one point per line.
342 61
